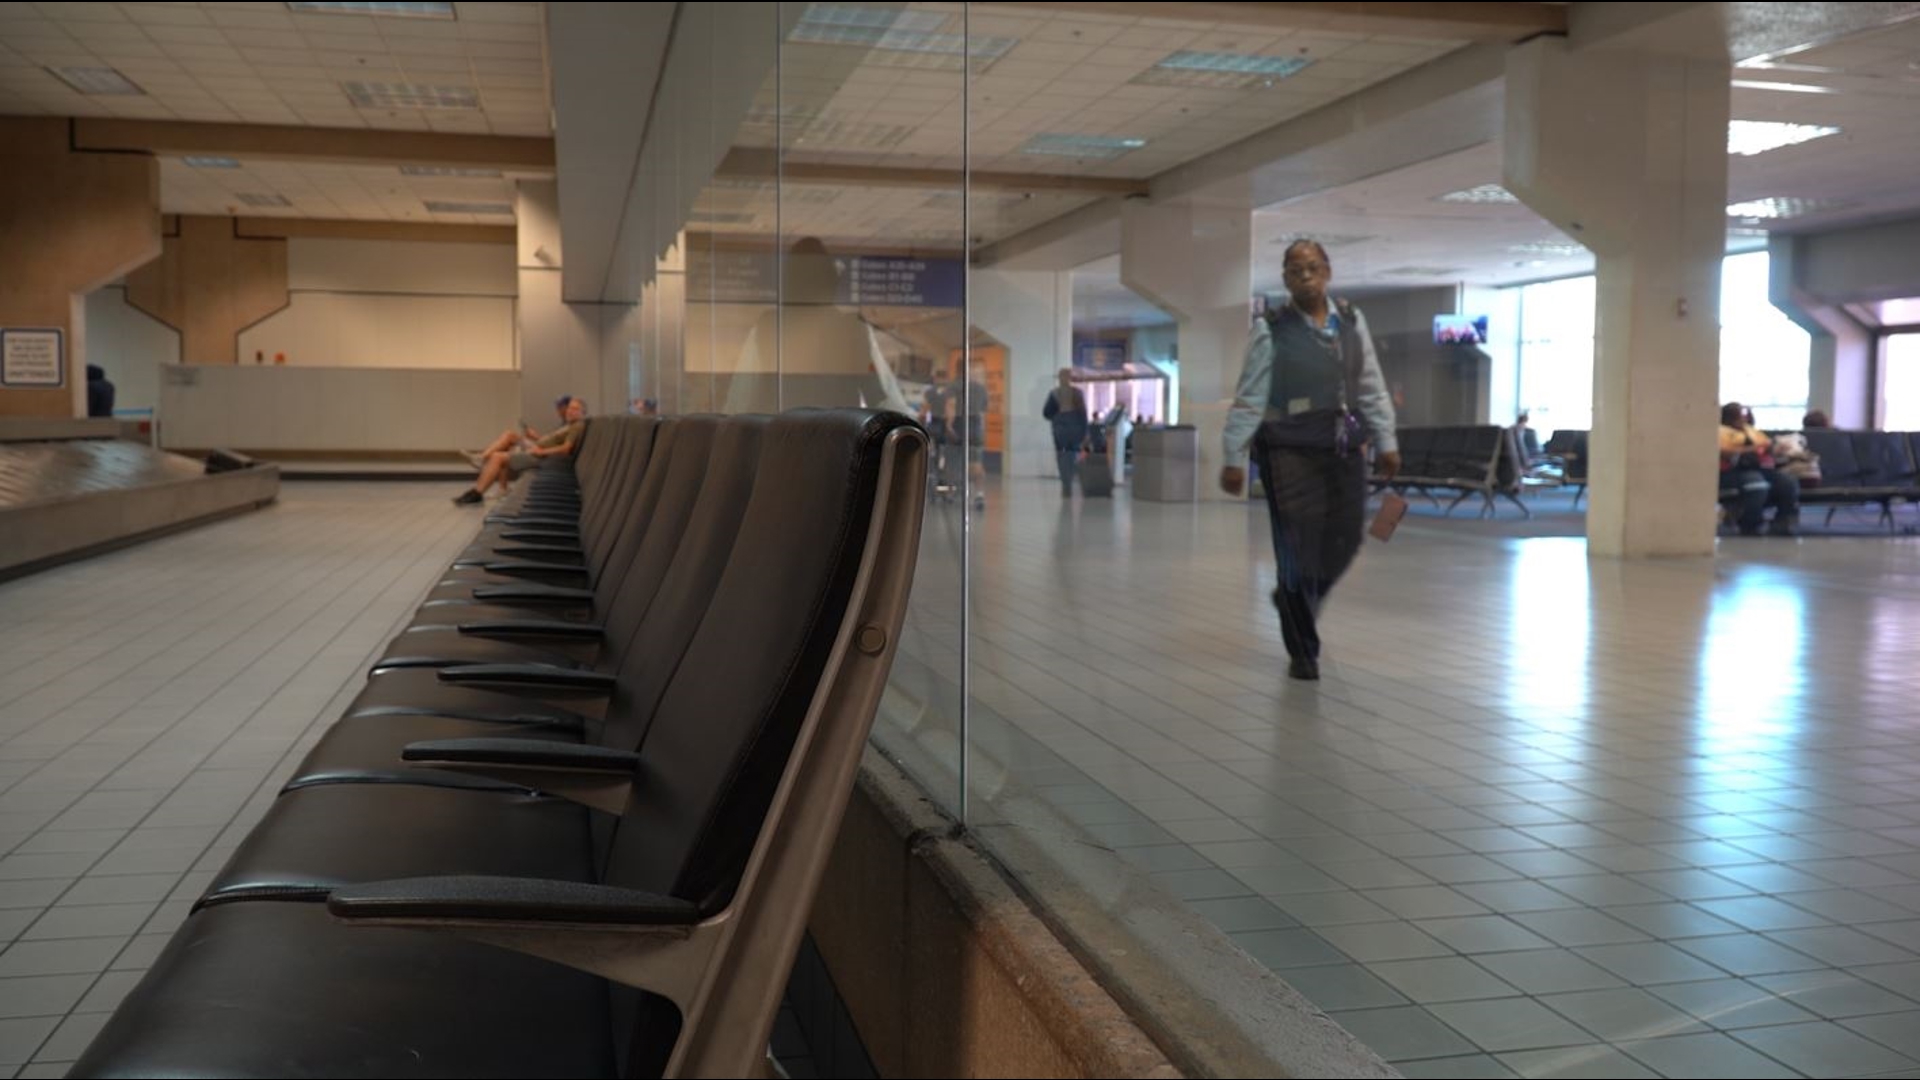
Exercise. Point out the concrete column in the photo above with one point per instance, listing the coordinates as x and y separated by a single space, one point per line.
1194 259
1639 175
564 348
70 222
1812 277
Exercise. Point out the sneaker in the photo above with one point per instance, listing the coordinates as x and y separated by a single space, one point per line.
1304 669
468 497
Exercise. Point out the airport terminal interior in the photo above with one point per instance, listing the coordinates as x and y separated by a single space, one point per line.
562 539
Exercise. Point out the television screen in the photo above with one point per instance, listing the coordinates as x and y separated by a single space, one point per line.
1459 329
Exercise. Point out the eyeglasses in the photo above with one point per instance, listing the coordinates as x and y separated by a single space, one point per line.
1312 269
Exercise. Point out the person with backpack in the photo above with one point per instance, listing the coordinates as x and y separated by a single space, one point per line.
1311 397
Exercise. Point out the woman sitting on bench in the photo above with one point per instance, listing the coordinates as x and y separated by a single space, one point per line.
1748 478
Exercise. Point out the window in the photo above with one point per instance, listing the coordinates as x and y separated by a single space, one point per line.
1763 354
1900 393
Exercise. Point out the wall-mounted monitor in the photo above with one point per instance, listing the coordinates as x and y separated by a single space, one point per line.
1459 329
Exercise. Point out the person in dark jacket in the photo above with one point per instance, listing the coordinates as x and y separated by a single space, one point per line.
99 392
1067 408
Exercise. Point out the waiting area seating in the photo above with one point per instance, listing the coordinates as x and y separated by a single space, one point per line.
1864 468
1478 460
574 823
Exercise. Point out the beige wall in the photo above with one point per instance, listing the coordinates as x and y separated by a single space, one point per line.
69 222
210 283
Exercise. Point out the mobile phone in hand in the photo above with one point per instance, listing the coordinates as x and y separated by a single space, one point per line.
1392 509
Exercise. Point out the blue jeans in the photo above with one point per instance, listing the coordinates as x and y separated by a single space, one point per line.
1068 458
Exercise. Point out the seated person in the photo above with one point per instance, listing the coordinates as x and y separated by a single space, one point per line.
502 466
523 439
1528 440
1815 420
1748 476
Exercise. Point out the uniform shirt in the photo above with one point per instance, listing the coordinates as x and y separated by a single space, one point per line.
1258 386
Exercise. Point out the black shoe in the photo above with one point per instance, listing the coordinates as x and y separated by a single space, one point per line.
1788 525
470 497
1304 669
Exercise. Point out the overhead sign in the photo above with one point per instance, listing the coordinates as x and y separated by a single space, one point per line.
33 356
753 277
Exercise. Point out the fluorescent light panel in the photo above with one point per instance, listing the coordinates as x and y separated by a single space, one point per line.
253 199
1484 194
97 81
1749 137
199 162
382 95
1778 207
395 11
448 170
448 206
1099 147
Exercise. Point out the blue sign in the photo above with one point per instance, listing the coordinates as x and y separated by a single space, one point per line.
897 281
752 277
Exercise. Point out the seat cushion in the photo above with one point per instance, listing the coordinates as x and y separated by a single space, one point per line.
315 839
442 646
281 989
419 691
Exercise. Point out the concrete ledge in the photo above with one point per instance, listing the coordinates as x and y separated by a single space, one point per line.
1211 1009
943 967
42 533
47 429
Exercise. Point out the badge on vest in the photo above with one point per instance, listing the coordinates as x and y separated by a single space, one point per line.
1299 405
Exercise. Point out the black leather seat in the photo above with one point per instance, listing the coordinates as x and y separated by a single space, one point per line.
608 855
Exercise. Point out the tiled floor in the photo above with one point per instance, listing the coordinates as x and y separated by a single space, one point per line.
1544 817
149 700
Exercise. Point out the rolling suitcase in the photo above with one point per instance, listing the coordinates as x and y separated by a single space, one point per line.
1096 476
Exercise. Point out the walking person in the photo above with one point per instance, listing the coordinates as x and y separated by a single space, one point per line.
1310 398
1067 408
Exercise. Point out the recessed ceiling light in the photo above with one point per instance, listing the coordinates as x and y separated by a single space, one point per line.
1784 87
1750 137
210 162
913 38
1777 207
1484 194
97 81
1221 70
1559 248
1100 147
382 95
399 11
252 199
1329 239
448 170
443 206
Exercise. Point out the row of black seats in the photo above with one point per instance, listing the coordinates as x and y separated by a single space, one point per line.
1478 459
574 823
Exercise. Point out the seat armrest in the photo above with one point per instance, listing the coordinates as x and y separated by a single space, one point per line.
526 753
533 594
526 567
508 899
541 676
538 628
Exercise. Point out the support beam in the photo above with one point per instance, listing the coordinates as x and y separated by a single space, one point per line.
766 164
259 228
1494 22
269 142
